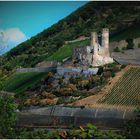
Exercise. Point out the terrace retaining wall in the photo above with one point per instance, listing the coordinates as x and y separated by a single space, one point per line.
41 69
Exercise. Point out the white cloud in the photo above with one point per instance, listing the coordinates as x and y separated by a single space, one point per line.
10 38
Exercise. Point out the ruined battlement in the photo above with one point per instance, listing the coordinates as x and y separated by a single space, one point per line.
99 50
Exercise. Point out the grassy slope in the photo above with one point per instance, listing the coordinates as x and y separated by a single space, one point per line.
20 82
66 50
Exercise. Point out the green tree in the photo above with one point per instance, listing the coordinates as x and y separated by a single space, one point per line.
7 116
100 71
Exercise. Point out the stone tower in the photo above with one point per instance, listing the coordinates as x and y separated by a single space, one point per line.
94 42
105 41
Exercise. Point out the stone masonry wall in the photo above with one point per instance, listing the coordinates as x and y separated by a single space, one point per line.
23 70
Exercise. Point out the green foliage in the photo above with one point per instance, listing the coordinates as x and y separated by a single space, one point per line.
130 44
123 66
37 134
66 50
100 71
2 80
111 65
124 48
7 116
128 89
132 129
91 132
129 32
139 45
137 110
113 74
61 100
90 66
81 22
117 49
20 82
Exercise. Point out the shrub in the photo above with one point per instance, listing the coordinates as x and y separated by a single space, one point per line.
113 74
139 45
130 44
112 65
66 91
90 66
7 116
61 100
47 95
44 102
123 66
117 49
100 71
123 48
83 84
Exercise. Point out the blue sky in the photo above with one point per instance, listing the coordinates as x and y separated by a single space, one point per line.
22 20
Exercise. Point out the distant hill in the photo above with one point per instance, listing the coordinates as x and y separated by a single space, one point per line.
119 17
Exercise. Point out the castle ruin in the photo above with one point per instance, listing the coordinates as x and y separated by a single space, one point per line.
97 53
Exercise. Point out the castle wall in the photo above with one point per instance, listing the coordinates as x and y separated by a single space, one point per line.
39 69
83 54
105 41
98 53
94 42
68 72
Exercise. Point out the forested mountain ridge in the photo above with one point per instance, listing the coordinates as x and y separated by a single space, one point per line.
117 16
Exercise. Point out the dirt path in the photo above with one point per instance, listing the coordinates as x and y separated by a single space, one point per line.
91 101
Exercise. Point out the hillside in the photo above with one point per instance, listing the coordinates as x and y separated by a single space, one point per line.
66 50
21 82
126 90
131 32
119 17
121 92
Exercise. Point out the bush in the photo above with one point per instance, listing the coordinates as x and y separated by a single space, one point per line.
90 66
113 74
123 66
117 49
130 44
112 65
91 132
123 48
61 100
7 116
100 71
139 45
